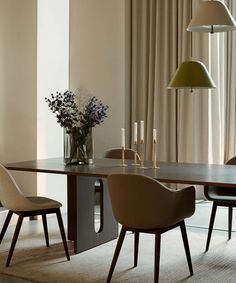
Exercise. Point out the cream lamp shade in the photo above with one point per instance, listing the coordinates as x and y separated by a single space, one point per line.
193 75
212 16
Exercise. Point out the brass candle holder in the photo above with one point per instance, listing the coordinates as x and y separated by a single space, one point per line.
123 156
142 153
135 154
154 153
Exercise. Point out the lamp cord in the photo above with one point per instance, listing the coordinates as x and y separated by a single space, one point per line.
177 95
212 29
191 36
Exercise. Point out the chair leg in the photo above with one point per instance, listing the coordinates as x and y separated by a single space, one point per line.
136 244
186 246
157 257
45 228
5 225
230 217
62 230
116 253
14 239
212 219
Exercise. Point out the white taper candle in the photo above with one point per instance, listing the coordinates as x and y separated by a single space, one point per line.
154 135
135 132
122 137
141 130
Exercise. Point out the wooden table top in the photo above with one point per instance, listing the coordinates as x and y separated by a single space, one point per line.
168 172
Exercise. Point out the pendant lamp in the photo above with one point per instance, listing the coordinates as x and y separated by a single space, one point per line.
193 75
212 16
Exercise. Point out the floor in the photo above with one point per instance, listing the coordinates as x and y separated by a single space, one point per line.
199 219
10 279
6 278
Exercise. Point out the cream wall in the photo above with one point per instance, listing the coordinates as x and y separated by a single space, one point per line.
18 42
98 61
52 76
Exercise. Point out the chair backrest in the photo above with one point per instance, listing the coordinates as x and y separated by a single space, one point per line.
214 192
141 202
115 153
231 161
10 194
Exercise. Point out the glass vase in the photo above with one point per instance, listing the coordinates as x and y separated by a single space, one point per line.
78 150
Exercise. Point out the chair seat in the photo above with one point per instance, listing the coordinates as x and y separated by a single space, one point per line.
38 203
224 198
221 194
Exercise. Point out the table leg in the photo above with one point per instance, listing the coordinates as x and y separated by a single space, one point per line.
81 199
71 207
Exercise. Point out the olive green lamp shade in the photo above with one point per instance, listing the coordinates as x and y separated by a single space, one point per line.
192 74
212 16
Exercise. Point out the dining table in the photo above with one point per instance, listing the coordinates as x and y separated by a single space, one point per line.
84 180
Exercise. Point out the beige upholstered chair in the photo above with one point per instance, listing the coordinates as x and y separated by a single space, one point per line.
221 196
115 153
142 204
13 199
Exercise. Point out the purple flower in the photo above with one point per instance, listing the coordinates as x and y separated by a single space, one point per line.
70 117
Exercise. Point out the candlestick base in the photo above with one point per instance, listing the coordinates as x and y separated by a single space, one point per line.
155 167
145 167
123 157
135 164
123 165
142 166
154 164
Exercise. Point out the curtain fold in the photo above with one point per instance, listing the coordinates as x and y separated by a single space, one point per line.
160 43
217 99
152 24
230 94
191 127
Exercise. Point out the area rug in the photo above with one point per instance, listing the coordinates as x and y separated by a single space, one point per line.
32 260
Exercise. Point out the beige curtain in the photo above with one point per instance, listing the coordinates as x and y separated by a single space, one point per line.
222 106
160 43
216 99
230 94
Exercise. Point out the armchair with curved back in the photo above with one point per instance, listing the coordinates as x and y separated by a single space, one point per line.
221 196
13 199
115 153
142 204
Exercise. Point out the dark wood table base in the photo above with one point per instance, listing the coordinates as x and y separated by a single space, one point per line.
81 200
